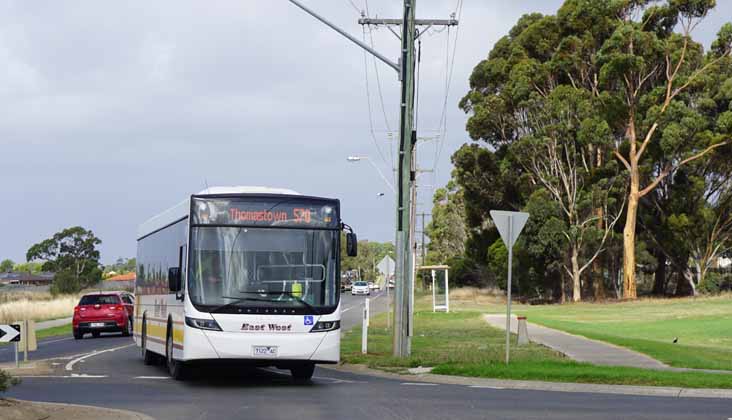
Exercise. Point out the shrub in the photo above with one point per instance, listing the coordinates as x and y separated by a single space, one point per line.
712 284
6 381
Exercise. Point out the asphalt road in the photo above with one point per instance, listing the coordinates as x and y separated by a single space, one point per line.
118 379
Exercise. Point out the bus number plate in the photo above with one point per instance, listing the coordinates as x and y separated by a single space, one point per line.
265 351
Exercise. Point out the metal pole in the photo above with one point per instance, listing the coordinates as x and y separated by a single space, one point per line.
375 53
434 293
17 362
508 287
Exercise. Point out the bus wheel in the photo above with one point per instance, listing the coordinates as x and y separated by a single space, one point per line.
148 357
176 368
303 373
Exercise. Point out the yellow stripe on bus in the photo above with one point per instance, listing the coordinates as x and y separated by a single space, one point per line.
160 331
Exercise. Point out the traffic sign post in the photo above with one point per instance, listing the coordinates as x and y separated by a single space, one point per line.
509 224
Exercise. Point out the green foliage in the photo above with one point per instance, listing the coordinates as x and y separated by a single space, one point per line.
582 79
369 255
6 381
73 255
28 267
6 266
712 284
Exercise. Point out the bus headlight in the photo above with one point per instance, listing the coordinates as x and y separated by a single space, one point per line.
203 324
323 326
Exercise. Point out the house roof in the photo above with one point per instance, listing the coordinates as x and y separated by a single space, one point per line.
123 277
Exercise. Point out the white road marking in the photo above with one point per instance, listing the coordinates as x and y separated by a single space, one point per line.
56 341
70 365
151 377
348 309
72 376
486 387
418 384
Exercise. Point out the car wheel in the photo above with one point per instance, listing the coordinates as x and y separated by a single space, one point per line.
128 328
96 334
78 335
148 358
176 368
303 373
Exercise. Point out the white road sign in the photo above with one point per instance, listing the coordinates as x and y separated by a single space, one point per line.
509 224
387 266
9 333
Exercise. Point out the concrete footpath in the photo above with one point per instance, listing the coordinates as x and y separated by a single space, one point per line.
579 348
52 323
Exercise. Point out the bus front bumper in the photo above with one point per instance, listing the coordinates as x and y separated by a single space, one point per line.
261 348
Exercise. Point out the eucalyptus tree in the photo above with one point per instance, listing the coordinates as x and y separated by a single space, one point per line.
641 75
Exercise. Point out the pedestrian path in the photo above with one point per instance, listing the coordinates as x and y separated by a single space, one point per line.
579 348
55 323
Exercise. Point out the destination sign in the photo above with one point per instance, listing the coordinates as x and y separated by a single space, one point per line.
282 212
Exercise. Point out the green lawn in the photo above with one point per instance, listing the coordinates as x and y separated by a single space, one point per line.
461 343
703 327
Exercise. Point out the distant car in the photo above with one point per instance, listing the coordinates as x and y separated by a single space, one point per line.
360 288
103 312
374 286
391 284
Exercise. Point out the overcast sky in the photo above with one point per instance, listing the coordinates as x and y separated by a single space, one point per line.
115 111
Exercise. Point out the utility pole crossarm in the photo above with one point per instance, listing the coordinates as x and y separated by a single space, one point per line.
417 22
353 39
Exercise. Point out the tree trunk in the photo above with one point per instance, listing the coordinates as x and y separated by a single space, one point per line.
686 285
576 283
659 283
629 290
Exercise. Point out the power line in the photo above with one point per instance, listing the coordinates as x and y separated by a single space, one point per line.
354 6
441 143
371 117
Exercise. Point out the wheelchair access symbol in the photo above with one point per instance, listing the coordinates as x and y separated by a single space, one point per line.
308 320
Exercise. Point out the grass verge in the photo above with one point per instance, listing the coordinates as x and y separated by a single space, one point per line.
703 327
461 343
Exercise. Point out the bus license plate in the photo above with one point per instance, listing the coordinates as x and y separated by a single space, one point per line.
97 324
267 351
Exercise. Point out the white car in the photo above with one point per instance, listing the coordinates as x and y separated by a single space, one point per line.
360 288
374 286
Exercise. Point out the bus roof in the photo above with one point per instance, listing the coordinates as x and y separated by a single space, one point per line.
182 209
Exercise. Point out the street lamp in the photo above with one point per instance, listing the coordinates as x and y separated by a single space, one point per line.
360 158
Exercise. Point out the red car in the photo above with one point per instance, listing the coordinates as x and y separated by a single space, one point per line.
103 312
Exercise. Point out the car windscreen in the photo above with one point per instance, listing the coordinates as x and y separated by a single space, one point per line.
360 283
99 300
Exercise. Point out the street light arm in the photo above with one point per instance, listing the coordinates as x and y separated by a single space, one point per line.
375 53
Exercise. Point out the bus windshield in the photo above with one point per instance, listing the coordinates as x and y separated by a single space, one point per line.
263 270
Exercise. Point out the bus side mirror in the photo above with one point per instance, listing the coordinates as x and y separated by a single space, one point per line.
351 244
174 279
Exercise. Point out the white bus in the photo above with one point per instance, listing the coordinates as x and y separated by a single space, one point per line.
241 273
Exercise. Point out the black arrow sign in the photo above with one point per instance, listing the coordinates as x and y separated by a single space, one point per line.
9 333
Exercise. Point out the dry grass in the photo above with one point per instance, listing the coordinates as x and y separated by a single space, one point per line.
35 306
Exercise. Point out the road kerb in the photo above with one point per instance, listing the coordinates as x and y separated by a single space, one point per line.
63 411
652 391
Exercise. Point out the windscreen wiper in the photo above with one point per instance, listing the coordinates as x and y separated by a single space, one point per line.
298 299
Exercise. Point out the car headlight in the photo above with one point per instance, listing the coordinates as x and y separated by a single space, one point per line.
203 324
322 326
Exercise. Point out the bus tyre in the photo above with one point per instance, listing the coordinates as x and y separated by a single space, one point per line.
128 328
148 357
303 373
176 368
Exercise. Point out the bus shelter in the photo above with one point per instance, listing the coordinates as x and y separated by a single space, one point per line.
440 287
